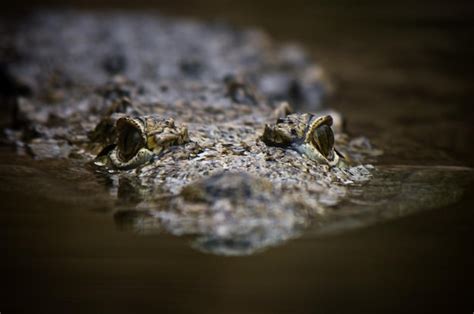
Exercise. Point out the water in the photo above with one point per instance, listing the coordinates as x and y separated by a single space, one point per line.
400 75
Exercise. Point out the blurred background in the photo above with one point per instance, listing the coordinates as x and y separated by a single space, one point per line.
403 76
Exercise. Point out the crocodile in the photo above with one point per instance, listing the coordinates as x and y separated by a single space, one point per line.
204 129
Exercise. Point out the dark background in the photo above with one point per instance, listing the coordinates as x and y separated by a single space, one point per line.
403 76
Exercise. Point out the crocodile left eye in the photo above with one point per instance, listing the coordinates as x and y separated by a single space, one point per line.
323 139
129 142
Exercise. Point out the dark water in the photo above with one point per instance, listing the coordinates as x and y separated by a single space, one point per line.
402 74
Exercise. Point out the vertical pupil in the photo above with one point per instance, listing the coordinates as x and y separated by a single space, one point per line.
324 139
130 142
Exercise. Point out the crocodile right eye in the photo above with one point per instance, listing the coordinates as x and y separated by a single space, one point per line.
323 139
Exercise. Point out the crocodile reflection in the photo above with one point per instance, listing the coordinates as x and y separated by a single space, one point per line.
240 214
228 213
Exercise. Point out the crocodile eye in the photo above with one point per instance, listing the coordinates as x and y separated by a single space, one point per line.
323 139
129 143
